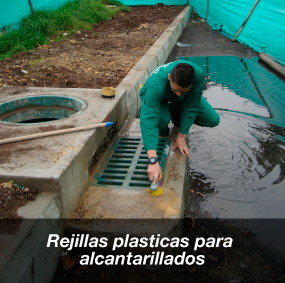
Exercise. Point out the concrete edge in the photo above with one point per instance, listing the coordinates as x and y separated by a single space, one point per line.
42 217
72 188
273 64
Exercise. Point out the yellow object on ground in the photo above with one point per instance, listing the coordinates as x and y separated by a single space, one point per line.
158 192
108 92
7 184
10 184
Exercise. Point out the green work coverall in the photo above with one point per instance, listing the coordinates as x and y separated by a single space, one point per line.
157 93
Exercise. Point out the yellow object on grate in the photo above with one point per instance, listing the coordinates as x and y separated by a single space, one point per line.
158 192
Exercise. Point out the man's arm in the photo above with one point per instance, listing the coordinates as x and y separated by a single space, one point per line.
149 117
149 127
153 170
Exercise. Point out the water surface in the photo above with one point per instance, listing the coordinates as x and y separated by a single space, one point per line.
240 165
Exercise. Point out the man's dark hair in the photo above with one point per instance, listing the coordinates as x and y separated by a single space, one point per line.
183 75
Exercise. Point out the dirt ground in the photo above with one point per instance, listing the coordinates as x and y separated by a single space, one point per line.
94 58
12 196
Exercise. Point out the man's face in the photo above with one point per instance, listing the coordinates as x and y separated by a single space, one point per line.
178 90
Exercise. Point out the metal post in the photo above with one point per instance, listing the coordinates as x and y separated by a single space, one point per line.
207 8
31 6
243 24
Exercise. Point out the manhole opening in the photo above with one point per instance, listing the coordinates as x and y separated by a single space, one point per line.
42 120
126 163
40 109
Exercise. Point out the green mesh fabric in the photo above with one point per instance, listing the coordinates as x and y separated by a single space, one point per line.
264 30
247 79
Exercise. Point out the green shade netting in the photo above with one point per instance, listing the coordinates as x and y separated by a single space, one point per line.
248 80
264 30
12 12
154 2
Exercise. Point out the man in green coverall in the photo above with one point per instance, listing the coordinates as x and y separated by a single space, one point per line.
173 92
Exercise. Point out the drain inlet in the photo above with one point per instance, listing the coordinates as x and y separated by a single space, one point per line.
126 163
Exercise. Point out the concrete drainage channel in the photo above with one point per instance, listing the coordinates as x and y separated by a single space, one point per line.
58 166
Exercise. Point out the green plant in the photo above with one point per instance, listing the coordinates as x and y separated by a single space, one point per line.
45 25
124 9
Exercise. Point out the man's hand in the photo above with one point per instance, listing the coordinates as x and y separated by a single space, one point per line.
154 171
180 143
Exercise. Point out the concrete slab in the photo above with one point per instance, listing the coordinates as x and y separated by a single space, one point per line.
58 163
137 203
24 256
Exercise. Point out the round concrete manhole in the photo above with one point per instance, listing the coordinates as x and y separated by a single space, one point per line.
40 109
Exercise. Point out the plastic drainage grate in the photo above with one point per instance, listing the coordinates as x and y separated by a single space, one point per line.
126 163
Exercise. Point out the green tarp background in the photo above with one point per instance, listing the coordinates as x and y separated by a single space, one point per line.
248 80
264 30
11 12
153 2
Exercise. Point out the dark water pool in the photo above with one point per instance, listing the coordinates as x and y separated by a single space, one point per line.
240 165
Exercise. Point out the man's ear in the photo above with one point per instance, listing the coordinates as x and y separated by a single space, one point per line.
169 77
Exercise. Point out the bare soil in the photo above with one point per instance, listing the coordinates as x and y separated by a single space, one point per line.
95 58
12 196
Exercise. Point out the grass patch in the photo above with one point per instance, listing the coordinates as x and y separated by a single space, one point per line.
42 26
121 7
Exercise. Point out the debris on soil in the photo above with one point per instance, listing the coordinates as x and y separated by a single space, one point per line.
68 262
13 196
95 58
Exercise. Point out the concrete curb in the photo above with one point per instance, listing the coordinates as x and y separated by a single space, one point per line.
274 65
23 260
67 174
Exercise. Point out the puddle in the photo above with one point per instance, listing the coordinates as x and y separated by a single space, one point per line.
240 165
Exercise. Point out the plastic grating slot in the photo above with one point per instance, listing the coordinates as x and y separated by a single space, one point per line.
140 172
125 151
123 156
110 183
121 166
137 184
120 161
142 161
126 163
134 178
141 167
109 171
113 177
